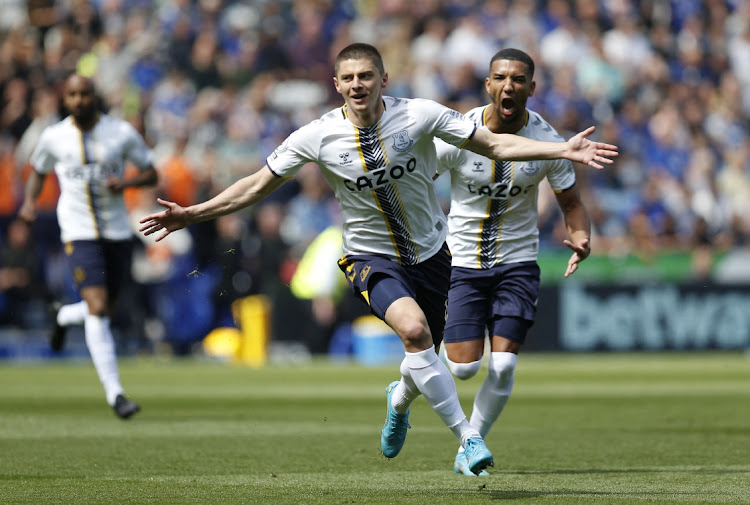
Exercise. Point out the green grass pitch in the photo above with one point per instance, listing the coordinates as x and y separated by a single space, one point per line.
579 429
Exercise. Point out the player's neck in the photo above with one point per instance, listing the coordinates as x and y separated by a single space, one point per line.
86 124
367 117
495 125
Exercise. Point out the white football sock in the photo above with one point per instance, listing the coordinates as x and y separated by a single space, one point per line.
405 392
495 391
74 313
101 346
463 371
435 382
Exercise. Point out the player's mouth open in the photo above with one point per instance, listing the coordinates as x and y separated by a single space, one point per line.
359 97
507 106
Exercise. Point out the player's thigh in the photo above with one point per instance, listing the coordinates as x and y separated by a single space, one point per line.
87 263
364 272
514 305
468 309
118 263
431 279
467 351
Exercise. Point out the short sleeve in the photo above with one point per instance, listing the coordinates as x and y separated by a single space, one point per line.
299 148
42 158
561 175
136 149
448 125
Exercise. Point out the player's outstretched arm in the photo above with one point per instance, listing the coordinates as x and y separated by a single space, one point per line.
505 146
241 194
588 152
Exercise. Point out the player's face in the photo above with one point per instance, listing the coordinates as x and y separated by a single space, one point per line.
361 84
509 86
80 99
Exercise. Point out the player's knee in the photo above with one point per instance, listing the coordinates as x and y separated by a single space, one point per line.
464 371
414 333
502 367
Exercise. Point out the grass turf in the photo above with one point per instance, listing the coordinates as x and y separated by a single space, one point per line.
579 429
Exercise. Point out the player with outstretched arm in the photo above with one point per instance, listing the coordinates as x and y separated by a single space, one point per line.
494 238
377 153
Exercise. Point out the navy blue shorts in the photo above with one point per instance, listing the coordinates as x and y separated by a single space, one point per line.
379 282
100 263
501 299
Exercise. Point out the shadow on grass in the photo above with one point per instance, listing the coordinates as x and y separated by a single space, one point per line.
594 471
519 495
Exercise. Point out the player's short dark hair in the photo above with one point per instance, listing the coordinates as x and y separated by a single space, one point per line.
514 55
357 51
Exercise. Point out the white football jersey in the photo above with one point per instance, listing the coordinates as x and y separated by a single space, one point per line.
493 215
381 175
83 161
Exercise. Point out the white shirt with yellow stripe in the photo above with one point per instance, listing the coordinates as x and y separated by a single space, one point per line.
381 175
83 161
493 215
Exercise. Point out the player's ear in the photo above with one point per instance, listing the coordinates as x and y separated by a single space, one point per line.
532 87
385 80
336 85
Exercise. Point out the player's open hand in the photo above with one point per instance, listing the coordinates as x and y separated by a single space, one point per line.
172 219
581 251
588 152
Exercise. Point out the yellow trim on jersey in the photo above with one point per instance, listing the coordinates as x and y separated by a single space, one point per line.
382 145
83 147
387 225
89 201
507 209
373 191
488 212
487 215
359 146
89 196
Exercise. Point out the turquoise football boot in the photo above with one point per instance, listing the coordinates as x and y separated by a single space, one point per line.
477 455
461 465
393 435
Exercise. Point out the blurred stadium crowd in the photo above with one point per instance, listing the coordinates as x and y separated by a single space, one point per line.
216 85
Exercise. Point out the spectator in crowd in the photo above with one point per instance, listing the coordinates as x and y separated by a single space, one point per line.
21 279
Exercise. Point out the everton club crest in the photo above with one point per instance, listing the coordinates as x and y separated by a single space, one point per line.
401 141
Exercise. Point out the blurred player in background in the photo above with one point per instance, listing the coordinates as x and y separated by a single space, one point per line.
377 154
88 150
494 239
